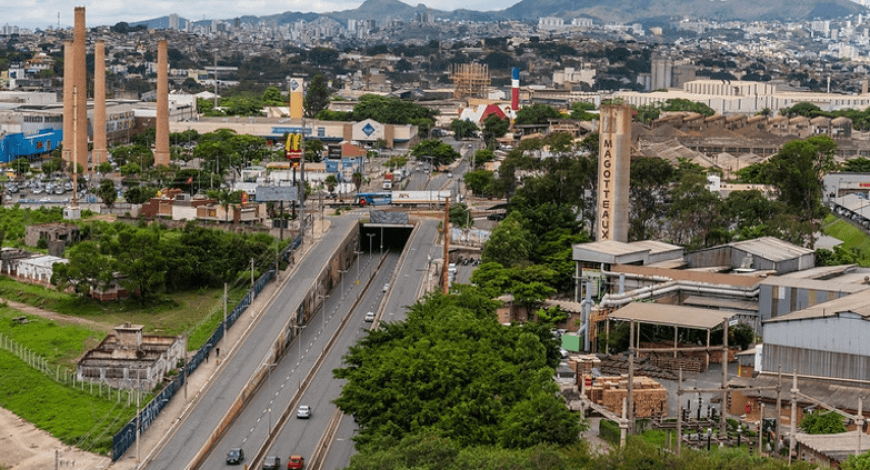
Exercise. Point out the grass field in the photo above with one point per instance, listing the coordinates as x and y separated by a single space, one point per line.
195 313
853 238
73 416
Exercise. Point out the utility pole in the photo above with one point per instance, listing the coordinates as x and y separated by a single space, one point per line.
444 274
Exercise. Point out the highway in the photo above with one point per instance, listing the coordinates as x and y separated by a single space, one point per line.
191 435
250 430
263 409
301 436
410 276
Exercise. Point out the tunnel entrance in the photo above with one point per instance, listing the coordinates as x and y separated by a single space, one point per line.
393 237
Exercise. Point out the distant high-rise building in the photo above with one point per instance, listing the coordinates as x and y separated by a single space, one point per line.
173 21
351 25
237 23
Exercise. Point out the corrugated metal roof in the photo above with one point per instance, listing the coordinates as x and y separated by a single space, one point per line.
655 246
858 303
772 248
813 284
611 247
699 301
836 446
671 315
819 272
837 393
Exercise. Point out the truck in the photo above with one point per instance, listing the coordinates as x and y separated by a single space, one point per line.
388 181
402 198
408 198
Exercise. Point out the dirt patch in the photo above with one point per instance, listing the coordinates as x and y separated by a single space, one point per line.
24 447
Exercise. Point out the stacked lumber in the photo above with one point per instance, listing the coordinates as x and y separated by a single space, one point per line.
647 395
642 366
583 364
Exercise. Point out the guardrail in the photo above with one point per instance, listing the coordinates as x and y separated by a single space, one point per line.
127 436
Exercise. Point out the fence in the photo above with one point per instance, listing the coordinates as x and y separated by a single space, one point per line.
65 377
127 436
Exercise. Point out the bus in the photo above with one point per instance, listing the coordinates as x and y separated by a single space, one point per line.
373 199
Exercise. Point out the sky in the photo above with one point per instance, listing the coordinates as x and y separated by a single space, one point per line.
44 13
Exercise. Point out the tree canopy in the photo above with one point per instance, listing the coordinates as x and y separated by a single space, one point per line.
453 369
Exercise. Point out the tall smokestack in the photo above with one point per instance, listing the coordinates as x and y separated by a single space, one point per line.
161 154
68 78
614 167
80 155
515 89
99 152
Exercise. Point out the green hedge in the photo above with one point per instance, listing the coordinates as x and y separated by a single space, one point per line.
609 431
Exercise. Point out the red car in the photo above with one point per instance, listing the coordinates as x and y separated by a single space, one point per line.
295 462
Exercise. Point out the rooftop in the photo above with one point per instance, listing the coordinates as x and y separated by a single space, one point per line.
856 304
672 315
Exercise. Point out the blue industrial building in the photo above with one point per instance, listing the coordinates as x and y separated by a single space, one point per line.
14 146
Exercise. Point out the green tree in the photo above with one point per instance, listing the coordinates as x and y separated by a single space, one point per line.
107 192
87 269
696 213
580 110
313 150
317 97
141 263
823 423
510 244
463 129
482 156
331 181
494 127
855 165
272 97
105 168
797 172
537 114
860 462
460 216
478 181
21 166
650 180
139 194
440 152
450 367
560 142
357 179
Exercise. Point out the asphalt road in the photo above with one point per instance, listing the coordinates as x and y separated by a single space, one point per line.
192 434
300 436
410 275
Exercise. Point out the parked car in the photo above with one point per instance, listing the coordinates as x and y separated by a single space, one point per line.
295 462
370 317
235 456
272 463
496 216
303 412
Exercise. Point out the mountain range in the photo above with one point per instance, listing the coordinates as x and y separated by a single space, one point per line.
623 11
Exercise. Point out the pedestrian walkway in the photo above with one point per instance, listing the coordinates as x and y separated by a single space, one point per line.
177 410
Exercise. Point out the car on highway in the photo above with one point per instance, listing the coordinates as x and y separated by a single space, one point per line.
303 412
370 317
272 462
235 456
295 462
386 287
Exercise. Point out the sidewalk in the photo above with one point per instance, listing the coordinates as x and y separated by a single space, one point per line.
24 447
164 426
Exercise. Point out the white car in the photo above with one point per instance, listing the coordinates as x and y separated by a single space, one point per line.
303 412
370 317
386 287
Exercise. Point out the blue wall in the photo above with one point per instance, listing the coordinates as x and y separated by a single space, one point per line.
20 145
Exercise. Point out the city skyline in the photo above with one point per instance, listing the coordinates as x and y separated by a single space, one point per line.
44 15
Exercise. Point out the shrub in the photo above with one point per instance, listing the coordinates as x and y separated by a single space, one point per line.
609 431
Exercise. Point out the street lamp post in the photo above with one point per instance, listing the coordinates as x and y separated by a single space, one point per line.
370 235
357 253
382 242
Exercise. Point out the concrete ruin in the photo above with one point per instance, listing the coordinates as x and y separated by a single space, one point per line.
129 359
